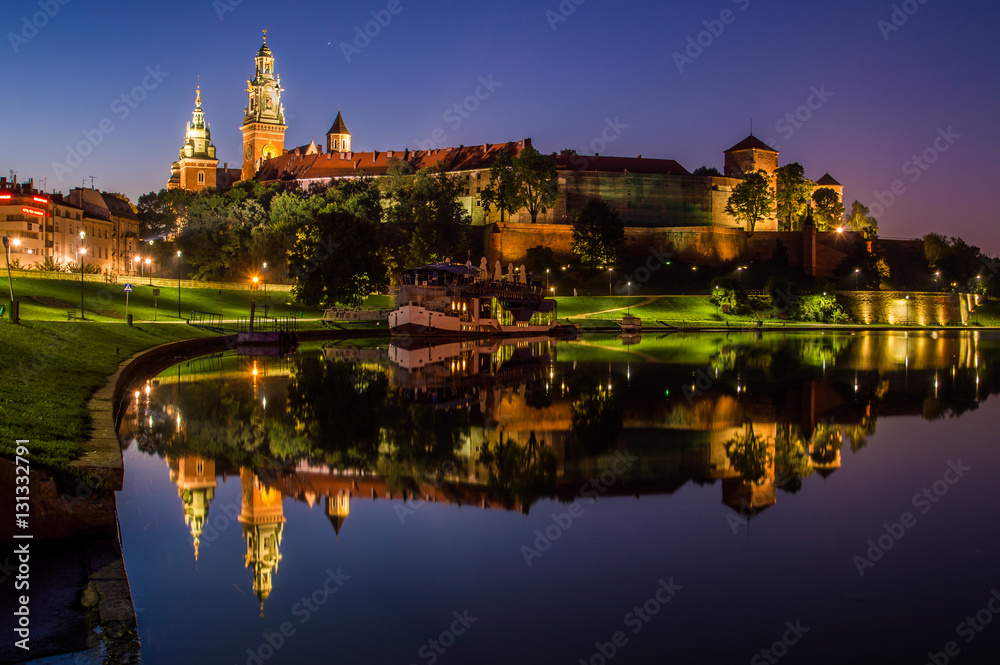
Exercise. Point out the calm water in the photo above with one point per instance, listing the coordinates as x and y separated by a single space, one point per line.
828 498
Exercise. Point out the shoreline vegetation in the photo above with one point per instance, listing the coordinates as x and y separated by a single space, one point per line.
60 363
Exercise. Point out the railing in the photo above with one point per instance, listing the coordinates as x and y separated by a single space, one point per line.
261 324
339 315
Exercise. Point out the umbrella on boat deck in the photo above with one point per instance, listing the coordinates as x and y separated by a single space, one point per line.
524 275
496 273
510 272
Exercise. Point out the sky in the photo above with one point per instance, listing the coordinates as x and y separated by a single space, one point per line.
896 100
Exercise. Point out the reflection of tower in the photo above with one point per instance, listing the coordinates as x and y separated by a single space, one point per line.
262 516
195 480
338 507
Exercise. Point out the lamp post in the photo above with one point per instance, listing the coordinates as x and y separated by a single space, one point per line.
739 275
907 310
628 303
857 271
80 253
263 276
10 282
546 279
610 270
178 284
147 262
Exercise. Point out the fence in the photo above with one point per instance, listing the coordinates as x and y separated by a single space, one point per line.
136 280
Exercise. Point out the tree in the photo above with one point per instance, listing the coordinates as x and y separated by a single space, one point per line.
163 213
538 182
751 200
793 193
528 180
860 221
336 259
598 234
828 210
502 191
426 220
707 170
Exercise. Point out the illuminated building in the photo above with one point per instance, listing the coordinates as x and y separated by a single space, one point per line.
263 117
197 168
195 480
263 517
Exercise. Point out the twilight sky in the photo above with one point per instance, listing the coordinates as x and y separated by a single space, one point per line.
887 82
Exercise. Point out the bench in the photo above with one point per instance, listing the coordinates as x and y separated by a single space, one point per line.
72 315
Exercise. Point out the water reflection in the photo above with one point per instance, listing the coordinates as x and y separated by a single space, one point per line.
503 425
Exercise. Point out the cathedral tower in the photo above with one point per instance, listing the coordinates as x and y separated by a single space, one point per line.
196 169
263 118
338 139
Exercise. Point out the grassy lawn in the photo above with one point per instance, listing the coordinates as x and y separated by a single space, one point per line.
58 363
43 395
51 299
672 310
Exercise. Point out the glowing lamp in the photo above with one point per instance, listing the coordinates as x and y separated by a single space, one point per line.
40 200
32 211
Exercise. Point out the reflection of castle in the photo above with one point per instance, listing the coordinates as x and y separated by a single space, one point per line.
262 516
195 480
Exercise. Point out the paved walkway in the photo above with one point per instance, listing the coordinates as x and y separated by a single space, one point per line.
649 300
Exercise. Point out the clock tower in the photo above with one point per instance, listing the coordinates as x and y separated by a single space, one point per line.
263 118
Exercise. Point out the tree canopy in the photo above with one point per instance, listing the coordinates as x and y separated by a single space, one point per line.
528 181
751 201
827 209
793 190
598 234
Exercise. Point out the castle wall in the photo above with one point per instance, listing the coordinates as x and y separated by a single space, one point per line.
922 309
702 245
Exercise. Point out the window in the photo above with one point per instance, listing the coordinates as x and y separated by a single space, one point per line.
201 177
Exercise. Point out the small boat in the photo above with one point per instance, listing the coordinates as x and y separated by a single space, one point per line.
449 299
630 324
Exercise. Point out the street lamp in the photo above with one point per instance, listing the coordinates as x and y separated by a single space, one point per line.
546 279
148 260
178 284
80 253
907 310
856 272
610 270
263 276
10 282
739 275
628 303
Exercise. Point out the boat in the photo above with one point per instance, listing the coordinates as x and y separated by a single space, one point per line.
453 299
631 324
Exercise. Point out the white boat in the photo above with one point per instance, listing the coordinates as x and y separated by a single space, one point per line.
450 299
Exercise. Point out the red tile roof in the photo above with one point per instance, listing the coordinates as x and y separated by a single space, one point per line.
296 165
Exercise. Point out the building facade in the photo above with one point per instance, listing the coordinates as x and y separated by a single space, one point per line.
197 168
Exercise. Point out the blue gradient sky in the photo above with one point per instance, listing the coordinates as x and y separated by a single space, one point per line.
607 60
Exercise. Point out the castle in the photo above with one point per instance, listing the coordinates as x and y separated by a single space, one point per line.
659 200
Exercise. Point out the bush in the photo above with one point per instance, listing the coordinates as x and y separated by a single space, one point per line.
728 292
820 308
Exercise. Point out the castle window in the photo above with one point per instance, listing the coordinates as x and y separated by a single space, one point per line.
201 177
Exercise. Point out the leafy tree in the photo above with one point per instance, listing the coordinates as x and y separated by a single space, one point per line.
730 292
502 192
49 264
793 193
538 258
527 180
519 474
862 222
538 182
598 234
163 213
707 170
336 259
957 261
751 200
426 221
827 209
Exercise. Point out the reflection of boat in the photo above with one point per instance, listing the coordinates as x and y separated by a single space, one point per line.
449 372
454 299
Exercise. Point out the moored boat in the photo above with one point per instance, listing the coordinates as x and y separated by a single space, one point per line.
451 299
